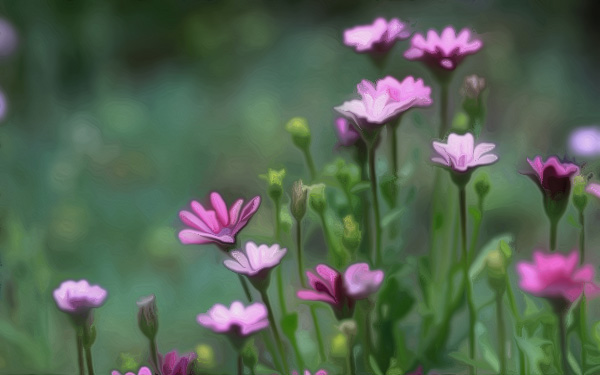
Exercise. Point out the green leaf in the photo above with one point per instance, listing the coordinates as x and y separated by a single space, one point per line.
574 363
388 304
374 365
479 263
573 222
533 349
289 325
392 216
475 213
360 187
487 351
477 363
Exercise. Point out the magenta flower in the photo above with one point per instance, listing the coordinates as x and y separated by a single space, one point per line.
461 155
445 51
346 133
553 177
77 298
557 276
378 37
306 372
219 225
237 320
256 261
594 189
385 101
142 371
173 364
360 282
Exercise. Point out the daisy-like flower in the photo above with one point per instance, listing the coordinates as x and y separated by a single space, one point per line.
360 282
219 225
142 371
256 262
378 37
346 133
556 276
445 51
237 320
78 298
385 101
553 177
461 155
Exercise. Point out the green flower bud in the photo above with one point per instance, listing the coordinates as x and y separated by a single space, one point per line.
482 186
205 356
579 194
275 183
148 316
318 201
496 270
339 346
460 123
299 197
298 128
352 234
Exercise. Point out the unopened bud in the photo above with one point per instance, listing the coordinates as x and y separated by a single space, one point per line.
148 316
482 186
496 270
298 128
472 86
348 328
299 197
352 234
579 195
275 183
318 201
205 356
339 346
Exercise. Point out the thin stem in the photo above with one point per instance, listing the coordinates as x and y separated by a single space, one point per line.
240 365
553 230
583 331
269 344
299 252
394 147
373 178
88 360
267 302
79 341
562 329
154 356
311 164
443 110
582 237
313 314
462 195
501 333
277 219
512 303
351 359
298 355
368 335
245 287
279 276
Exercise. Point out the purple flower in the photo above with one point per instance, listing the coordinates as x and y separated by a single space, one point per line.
237 321
460 154
385 101
327 286
219 225
346 133
143 371
360 282
256 261
77 298
594 189
553 177
378 37
585 141
446 50
173 364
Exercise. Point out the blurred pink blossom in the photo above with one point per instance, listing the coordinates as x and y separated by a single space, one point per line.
593 188
378 37
346 133
306 372
78 297
142 371
460 153
255 260
585 141
236 320
360 282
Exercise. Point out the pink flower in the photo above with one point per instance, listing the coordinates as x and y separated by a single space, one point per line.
461 155
557 276
553 177
237 320
594 189
78 297
360 282
143 371
385 101
327 286
346 133
255 261
585 141
378 37
219 225
445 51
306 372
173 364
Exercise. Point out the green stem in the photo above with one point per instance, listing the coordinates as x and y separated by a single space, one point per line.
277 219
299 252
313 314
368 333
553 230
267 302
279 276
269 344
394 146
154 356
583 331
501 333
298 355
512 303
311 164
245 287
240 365
475 237
562 329
79 341
582 237
443 110
462 196
351 359
373 178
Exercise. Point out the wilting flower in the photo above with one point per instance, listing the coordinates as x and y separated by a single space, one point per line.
385 101
378 37
346 133
237 320
585 141
173 364
256 261
557 276
461 155
445 51
360 282
553 177
77 298
472 86
218 225
142 371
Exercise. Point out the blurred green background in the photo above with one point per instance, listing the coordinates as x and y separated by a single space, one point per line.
121 112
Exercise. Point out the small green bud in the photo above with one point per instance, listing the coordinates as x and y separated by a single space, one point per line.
460 123
482 186
205 356
579 194
496 270
299 197
250 354
339 346
275 183
298 128
352 234
318 201
148 316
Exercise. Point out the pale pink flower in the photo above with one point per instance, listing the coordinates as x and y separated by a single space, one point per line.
236 320
346 133
556 276
142 371
585 141
173 364
255 260
446 50
553 177
594 189
378 37
78 297
219 225
460 154
360 282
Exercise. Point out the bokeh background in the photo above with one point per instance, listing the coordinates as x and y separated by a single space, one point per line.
121 112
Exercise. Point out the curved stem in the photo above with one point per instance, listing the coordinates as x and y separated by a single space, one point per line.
462 195
373 178
79 341
245 287
311 164
313 313
501 333
553 230
154 356
267 302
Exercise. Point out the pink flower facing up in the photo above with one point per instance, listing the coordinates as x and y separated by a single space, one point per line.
443 51
256 262
219 225
78 298
557 277
173 364
378 37
346 133
385 101
142 371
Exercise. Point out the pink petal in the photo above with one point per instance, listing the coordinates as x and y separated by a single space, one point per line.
193 221
220 207
208 217
593 188
189 236
234 212
309 295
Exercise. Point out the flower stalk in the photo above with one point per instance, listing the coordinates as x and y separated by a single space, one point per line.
462 196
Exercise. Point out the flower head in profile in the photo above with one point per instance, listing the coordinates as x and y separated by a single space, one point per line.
218 225
78 298
461 155
142 371
379 37
174 364
346 133
557 276
327 285
360 282
385 101
256 261
237 320
445 51
553 177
